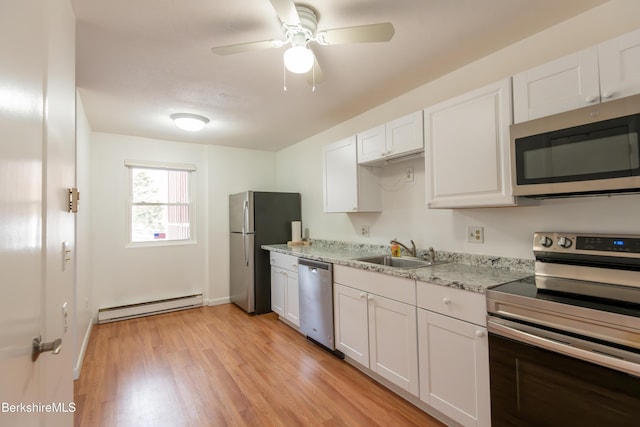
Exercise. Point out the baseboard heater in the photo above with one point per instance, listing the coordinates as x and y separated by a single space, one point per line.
112 314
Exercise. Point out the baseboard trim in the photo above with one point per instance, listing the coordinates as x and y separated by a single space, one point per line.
83 350
217 301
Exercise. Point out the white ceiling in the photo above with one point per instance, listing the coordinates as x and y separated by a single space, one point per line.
138 61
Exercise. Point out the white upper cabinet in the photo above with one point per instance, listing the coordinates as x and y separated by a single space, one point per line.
564 84
396 138
347 186
467 149
620 66
601 73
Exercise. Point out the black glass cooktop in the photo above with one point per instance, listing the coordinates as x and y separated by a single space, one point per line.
527 288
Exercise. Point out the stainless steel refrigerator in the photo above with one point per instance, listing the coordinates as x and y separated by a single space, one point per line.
257 218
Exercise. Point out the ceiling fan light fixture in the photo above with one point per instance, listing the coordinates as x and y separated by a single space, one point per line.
189 122
298 59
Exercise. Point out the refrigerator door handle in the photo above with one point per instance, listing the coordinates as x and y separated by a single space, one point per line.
245 216
244 250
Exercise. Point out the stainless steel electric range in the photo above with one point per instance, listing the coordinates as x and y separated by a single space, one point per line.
564 345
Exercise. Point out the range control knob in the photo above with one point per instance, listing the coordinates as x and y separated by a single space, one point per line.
564 242
545 241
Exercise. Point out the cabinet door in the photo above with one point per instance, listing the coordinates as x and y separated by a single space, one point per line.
371 144
454 368
340 176
349 187
565 84
351 325
393 342
405 135
467 149
619 61
277 290
292 303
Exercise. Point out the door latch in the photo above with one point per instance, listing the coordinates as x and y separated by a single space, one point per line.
40 347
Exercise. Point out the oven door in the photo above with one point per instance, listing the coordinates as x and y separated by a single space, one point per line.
545 378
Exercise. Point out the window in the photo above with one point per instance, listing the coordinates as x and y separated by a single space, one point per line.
160 205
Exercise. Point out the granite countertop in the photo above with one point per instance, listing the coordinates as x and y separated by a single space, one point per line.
469 272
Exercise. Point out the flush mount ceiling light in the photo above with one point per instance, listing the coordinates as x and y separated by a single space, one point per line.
189 122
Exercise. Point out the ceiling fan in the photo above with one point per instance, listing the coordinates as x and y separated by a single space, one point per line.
299 24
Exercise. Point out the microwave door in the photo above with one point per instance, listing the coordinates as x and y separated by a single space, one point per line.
593 158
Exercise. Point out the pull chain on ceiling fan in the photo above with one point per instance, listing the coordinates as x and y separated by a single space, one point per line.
299 24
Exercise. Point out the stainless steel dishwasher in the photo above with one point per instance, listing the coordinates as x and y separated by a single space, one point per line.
315 281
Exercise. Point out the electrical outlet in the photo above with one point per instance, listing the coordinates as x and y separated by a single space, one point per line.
475 234
364 231
408 175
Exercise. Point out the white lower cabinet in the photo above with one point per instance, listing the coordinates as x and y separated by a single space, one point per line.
393 350
379 332
284 287
351 323
454 354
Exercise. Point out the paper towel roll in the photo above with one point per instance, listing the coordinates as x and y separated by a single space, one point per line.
296 231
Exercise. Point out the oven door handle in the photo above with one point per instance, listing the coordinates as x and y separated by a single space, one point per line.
531 338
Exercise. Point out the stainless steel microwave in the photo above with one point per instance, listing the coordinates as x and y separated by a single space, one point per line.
591 150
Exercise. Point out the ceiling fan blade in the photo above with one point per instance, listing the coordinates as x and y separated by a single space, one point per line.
286 11
246 47
382 32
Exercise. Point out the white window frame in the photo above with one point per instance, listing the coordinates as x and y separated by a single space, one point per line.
136 164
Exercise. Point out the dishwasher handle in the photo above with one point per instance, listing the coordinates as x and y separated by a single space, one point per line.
314 266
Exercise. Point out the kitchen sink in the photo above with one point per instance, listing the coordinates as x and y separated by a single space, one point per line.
398 262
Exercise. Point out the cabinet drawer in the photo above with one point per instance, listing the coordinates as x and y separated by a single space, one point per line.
396 288
458 303
288 262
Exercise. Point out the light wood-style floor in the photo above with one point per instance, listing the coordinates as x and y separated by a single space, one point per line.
217 366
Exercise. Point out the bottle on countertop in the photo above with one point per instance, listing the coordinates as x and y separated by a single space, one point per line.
395 249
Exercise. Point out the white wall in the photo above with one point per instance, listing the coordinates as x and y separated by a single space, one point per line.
508 231
83 254
231 171
124 275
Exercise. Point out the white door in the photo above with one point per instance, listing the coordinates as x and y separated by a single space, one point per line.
405 135
454 368
561 85
351 324
37 124
340 176
372 144
393 342
619 60
21 115
59 235
277 290
468 166
292 298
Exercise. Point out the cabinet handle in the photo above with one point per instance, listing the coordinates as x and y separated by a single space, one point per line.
607 95
480 333
362 295
294 265
446 300
370 297
591 99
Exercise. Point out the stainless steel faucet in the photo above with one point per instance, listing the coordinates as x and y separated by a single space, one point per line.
411 250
